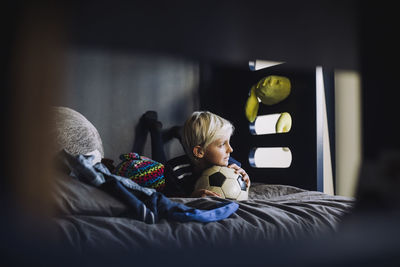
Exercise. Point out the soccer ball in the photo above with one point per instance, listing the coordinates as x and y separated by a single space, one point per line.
223 181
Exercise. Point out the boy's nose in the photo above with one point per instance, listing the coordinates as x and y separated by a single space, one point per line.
230 149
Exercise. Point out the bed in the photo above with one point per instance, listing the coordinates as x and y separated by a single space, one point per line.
88 218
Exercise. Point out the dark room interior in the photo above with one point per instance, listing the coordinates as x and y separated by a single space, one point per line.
114 60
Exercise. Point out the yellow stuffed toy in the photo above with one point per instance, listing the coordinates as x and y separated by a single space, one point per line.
284 123
269 90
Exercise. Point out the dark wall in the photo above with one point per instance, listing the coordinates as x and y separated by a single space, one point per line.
113 89
300 32
379 48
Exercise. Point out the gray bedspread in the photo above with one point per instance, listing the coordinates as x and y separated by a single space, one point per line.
89 218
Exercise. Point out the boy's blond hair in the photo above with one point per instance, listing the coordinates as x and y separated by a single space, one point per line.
202 128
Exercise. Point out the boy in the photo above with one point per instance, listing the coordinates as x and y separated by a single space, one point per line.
206 138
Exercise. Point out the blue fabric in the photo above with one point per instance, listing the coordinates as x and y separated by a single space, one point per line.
232 161
82 168
145 204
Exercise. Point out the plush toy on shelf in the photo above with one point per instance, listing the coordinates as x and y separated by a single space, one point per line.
269 90
284 123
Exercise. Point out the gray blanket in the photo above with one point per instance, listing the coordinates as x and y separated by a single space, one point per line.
89 218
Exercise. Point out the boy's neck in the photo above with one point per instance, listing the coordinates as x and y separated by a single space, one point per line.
200 166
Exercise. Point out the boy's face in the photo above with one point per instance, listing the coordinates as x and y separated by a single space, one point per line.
218 152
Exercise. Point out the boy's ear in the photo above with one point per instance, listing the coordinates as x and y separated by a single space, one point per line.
198 152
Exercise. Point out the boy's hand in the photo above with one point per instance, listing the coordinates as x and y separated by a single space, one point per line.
241 172
204 193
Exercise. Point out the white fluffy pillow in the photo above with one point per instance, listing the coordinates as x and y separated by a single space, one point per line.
75 133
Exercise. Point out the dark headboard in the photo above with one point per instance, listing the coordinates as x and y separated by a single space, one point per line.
224 90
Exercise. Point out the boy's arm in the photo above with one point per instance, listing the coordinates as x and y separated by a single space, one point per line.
242 172
234 164
204 193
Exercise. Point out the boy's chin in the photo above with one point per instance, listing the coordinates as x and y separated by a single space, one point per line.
224 163
221 164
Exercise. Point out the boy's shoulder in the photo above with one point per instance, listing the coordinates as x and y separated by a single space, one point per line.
183 159
180 166
179 176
